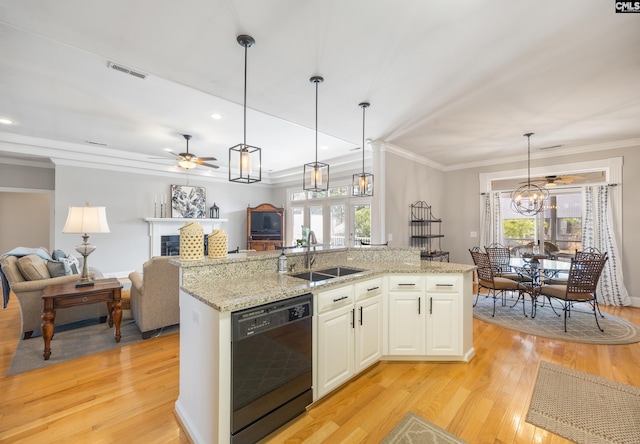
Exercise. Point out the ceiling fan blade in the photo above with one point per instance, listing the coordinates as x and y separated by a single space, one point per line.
210 165
207 158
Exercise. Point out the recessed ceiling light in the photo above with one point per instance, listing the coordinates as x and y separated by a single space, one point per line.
6 121
216 116
324 147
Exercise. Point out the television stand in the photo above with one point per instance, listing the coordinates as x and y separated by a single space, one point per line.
260 238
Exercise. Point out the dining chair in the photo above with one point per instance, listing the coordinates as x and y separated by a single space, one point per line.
495 285
587 253
499 257
580 287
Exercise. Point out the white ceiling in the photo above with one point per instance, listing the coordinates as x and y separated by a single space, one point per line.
455 83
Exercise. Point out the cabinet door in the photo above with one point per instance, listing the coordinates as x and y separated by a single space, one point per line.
335 362
443 325
444 321
406 323
368 332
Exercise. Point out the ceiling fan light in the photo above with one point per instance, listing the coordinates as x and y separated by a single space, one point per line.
186 164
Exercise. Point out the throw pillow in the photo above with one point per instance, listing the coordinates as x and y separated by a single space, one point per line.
58 254
56 268
33 267
71 265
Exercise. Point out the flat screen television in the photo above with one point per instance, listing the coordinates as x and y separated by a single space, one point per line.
266 225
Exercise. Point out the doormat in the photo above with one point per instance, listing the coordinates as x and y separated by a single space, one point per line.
584 408
413 429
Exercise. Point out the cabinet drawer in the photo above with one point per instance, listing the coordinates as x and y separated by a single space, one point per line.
444 283
407 282
367 289
337 297
73 301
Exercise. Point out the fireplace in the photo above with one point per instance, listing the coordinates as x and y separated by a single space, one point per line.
169 229
170 245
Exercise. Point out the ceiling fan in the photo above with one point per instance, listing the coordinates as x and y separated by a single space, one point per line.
552 181
189 160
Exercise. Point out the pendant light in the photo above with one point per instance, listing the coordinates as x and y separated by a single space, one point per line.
316 174
362 185
245 161
529 199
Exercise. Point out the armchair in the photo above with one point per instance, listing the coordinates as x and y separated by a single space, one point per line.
155 295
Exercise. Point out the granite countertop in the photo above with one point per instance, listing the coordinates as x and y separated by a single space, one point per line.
234 294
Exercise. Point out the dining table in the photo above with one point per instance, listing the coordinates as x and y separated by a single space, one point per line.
539 270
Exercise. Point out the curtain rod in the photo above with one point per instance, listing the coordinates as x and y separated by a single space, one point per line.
563 188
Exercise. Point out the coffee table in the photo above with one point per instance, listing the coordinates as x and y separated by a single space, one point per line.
68 295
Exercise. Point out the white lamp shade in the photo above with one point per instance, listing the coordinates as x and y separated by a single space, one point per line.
86 220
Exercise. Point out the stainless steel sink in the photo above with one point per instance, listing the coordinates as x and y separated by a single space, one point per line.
339 271
325 274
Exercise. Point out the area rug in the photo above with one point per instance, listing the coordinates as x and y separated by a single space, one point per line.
75 343
412 429
581 326
584 408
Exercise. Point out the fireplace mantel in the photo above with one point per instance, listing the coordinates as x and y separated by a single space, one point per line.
163 226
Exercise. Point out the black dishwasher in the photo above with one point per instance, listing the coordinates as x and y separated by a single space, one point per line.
271 375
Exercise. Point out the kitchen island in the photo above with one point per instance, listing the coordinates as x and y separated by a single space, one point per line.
396 307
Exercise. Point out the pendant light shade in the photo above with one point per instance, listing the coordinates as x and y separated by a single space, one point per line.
362 185
316 174
245 161
529 199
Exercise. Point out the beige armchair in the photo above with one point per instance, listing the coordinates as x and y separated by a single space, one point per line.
28 290
155 295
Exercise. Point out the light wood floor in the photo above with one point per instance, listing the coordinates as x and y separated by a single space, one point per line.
128 395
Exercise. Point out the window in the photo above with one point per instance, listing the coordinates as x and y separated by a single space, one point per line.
559 223
337 219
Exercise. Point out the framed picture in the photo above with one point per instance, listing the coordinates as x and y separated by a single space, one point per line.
188 202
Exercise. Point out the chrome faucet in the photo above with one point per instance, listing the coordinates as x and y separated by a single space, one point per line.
311 240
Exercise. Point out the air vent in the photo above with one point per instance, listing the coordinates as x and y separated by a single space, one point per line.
95 143
127 70
550 147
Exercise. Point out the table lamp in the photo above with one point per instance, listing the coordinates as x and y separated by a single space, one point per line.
86 220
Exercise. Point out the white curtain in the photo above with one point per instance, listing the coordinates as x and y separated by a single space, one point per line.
598 232
491 223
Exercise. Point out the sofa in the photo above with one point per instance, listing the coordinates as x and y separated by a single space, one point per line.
27 277
155 295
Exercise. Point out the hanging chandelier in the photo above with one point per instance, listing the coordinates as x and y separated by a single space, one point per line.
316 174
362 184
529 199
245 161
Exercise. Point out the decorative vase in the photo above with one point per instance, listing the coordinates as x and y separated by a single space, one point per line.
217 244
192 242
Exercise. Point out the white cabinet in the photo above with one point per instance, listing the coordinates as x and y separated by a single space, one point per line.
349 332
425 316
406 315
335 338
368 313
443 315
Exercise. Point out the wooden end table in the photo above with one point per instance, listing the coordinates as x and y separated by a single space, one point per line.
68 295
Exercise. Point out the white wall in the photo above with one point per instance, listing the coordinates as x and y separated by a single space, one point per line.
26 194
406 182
129 198
24 220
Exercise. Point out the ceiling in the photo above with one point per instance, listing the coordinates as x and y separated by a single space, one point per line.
453 83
